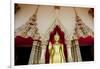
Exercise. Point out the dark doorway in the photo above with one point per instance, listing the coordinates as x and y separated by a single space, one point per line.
87 52
22 55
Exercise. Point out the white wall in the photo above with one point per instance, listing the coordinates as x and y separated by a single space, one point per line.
46 15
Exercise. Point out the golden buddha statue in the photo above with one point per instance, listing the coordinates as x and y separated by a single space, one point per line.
56 50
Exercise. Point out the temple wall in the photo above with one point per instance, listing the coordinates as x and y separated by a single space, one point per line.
45 18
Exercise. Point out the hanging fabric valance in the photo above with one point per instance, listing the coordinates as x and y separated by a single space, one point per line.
23 42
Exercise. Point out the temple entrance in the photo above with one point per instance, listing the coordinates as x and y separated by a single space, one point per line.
23 48
87 48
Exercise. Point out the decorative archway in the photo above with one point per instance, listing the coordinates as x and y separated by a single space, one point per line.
85 39
51 39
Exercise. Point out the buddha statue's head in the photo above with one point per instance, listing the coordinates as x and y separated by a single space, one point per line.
56 37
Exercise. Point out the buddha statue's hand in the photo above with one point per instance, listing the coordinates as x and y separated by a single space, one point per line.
50 45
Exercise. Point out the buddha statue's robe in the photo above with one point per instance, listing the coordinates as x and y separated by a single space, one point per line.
56 53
